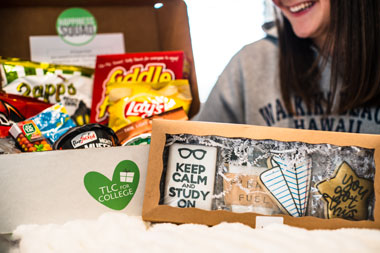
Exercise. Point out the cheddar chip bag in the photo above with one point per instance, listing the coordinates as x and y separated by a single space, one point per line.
148 67
130 102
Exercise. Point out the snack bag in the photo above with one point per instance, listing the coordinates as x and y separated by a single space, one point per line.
134 101
78 110
14 108
133 67
41 131
53 122
139 131
47 82
8 146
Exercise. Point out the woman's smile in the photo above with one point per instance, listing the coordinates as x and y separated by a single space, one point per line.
309 19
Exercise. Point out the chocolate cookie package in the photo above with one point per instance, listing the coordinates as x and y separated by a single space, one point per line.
208 173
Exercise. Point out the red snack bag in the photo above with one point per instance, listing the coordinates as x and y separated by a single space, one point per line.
133 67
15 108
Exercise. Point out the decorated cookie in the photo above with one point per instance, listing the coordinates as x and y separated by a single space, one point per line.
274 181
346 195
243 192
190 176
289 183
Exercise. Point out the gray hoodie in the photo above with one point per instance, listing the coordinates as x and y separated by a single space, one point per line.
248 92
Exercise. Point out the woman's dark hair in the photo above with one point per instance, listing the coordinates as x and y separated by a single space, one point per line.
353 49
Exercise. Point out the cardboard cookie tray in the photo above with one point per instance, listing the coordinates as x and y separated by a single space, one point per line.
162 129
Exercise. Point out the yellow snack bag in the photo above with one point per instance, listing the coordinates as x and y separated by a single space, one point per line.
133 101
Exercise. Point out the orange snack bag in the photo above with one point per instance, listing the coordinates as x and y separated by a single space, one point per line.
144 126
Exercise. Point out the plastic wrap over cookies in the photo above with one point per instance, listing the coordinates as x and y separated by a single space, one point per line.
268 177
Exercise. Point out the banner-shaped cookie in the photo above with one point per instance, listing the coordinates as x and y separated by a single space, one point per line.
289 183
274 180
297 175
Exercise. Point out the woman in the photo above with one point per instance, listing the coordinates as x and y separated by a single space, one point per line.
320 70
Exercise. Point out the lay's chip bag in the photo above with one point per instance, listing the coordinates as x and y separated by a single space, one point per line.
133 101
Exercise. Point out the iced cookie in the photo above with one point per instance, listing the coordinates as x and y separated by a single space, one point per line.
346 195
243 192
289 183
190 176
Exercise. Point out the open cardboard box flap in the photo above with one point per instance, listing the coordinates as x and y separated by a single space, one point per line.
144 28
50 187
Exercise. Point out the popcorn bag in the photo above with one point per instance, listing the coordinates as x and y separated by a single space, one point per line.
208 173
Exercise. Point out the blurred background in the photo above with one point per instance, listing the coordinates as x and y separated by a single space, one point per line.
219 29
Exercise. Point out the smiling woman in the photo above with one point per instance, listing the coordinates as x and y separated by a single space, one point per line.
316 69
309 19
350 54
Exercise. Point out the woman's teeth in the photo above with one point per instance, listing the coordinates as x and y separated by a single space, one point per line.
300 7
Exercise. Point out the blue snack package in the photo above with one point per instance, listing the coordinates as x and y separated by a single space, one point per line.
53 122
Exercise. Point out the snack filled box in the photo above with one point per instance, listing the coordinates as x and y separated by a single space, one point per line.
47 109
207 173
154 77
145 29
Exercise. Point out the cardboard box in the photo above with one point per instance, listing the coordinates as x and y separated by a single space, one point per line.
328 156
145 28
59 186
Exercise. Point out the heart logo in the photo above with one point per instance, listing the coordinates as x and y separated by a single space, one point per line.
115 194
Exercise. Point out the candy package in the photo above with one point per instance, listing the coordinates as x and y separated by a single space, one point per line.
41 131
131 102
149 67
46 82
14 108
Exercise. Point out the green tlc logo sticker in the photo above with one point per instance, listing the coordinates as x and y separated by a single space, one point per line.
76 26
115 194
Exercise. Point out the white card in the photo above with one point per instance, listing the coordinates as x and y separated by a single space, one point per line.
263 221
53 49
